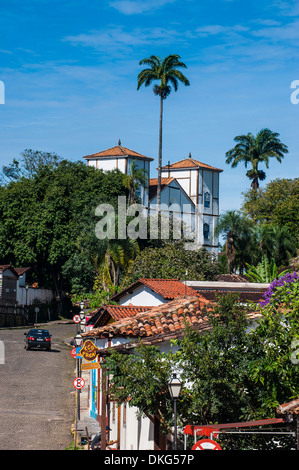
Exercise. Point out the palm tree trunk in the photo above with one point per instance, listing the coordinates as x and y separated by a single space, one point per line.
160 158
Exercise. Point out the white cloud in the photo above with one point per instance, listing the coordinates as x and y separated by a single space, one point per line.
215 29
115 38
135 7
289 32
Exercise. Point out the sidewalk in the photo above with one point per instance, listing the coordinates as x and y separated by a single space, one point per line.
85 421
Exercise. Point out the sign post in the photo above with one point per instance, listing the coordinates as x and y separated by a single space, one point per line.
36 312
79 383
206 444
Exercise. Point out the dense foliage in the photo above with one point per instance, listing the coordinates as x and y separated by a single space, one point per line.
277 204
172 260
44 217
236 371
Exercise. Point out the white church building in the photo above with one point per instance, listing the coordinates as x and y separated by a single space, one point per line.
189 190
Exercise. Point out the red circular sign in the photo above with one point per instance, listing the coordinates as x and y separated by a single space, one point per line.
76 319
78 383
206 444
73 353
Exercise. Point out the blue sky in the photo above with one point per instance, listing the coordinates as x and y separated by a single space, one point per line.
70 73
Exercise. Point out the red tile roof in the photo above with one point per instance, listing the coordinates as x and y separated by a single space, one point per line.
161 323
115 312
21 271
3 268
169 289
117 151
189 163
169 318
153 185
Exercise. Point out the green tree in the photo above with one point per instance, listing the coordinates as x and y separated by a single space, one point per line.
235 371
266 271
171 260
137 177
277 243
235 227
254 150
272 346
28 165
143 377
43 216
165 71
276 204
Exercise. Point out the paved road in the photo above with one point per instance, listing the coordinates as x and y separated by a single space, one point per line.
37 400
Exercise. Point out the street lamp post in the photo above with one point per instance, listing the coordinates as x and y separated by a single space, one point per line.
174 388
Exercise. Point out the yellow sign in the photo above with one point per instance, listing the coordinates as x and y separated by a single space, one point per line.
93 365
89 351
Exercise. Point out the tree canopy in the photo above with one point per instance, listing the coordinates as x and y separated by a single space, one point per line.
254 150
276 204
44 216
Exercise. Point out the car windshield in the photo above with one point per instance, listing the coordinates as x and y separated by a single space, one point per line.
42 333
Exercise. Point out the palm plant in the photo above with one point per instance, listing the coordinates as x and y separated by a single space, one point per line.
266 271
257 149
137 177
165 71
233 226
278 243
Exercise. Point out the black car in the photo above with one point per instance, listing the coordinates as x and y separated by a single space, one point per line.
37 338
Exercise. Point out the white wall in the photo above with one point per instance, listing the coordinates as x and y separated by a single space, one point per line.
42 295
142 296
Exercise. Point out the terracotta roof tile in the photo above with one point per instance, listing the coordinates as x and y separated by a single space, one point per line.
167 320
169 289
117 151
153 185
115 312
190 163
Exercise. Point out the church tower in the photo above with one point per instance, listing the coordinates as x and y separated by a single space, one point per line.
201 183
122 158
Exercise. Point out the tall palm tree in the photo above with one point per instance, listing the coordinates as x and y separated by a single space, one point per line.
254 150
165 71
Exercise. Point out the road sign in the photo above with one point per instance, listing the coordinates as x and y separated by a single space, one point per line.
206 444
93 365
73 353
78 353
76 319
78 383
89 351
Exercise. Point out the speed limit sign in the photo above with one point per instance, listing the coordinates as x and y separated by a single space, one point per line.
206 444
78 383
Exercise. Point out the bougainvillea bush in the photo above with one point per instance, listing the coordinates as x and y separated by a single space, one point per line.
278 287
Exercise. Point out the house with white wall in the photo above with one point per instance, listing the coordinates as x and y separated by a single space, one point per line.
157 326
152 292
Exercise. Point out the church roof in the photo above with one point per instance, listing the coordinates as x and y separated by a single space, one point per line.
117 151
189 163
153 185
